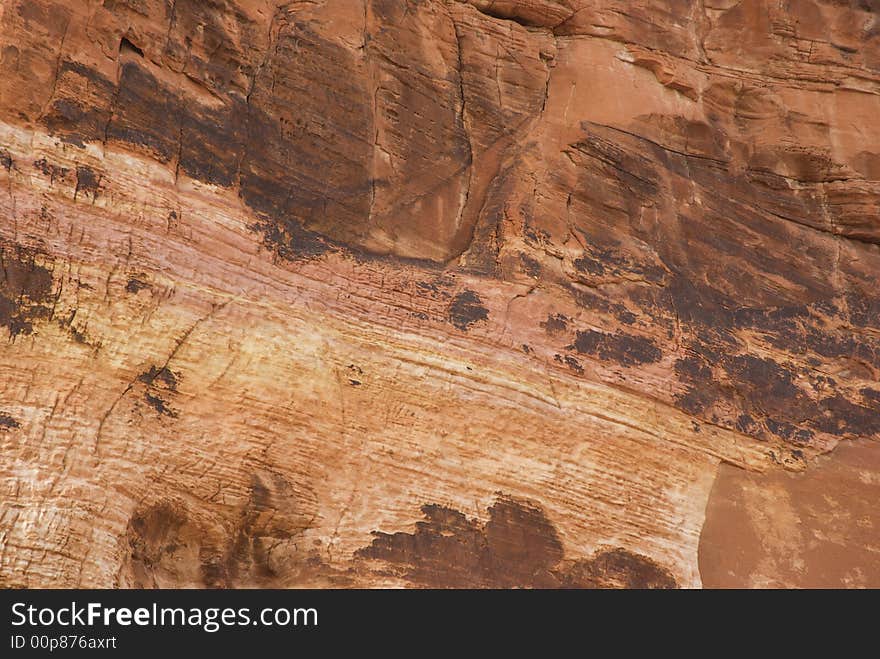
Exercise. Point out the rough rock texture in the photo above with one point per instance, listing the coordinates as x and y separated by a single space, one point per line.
494 293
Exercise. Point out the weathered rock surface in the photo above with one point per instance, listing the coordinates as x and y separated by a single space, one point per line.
502 293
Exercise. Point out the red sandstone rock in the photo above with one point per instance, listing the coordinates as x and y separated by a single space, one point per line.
490 293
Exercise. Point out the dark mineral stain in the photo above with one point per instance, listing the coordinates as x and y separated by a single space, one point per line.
799 336
703 390
305 166
590 265
535 236
171 546
78 335
789 432
618 568
25 290
146 113
768 396
290 240
203 142
766 388
87 181
699 306
161 375
837 415
626 317
593 302
692 369
529 265
574 365
166 549
555 323
518 547
52 171
625 349
247 546
275 512
864 309
213 141
159 404
427 286
745 424
6 160
696 399
598 259
160 381
631 174
135 285
84 117
436 288
8 423
710 307
466 309
303 170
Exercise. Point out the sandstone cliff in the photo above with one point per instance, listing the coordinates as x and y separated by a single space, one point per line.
439 293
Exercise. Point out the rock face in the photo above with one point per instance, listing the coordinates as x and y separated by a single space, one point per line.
498 293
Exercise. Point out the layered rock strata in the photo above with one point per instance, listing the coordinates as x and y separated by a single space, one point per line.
499 293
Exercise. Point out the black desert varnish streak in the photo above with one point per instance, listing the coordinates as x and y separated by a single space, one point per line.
625 349
556 323
53 172
161 382
518 547
299 166
466 309
88 182
8 423
25 290
135 285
